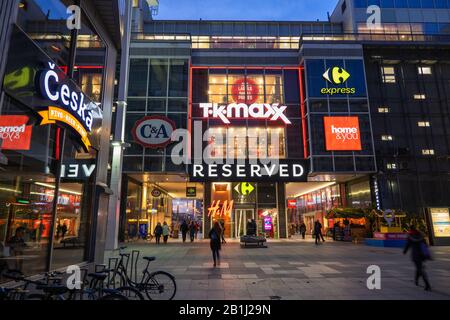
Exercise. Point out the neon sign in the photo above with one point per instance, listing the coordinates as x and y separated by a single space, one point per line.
259 111
220 210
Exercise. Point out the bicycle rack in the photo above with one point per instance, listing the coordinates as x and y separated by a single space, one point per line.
133 267
112 265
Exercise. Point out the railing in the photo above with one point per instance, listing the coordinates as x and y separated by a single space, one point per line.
383 37
238 42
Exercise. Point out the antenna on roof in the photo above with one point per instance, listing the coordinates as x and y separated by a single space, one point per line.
328 15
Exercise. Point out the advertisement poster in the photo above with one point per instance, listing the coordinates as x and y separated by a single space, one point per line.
440 219
267 224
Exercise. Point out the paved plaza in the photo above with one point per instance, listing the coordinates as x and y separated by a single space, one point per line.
294 270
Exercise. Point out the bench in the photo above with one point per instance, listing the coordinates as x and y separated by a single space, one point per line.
259 241
74 241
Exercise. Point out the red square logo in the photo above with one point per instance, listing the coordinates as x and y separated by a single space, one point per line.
342 134
14 133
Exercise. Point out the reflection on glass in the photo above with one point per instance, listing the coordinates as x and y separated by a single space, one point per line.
25 220
243 142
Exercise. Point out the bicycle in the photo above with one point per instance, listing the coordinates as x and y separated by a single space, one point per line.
52 289
158 285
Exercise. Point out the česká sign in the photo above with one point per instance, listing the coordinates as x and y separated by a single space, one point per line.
153 131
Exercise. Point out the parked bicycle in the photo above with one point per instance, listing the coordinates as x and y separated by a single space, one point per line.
51 288
158 285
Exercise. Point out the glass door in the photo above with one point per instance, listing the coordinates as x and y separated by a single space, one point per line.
241 218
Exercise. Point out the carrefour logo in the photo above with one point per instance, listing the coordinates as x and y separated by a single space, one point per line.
244 188
337 76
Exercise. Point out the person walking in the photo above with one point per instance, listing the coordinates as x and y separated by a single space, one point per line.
192 230
318 232
215 235
419 254
165 232
158 232
302 229
184 229
63 229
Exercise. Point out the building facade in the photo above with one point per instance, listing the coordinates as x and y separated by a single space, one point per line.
56 98
363 112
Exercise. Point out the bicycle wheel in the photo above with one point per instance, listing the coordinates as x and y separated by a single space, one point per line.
160 286
131 293
113 296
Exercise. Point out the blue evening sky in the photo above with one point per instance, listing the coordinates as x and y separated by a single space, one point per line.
282 10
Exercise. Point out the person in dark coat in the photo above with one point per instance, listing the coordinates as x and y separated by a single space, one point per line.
416 242
222 228
318 232
215 235
302 229
249 227
158 232
184 229
254 227
192 230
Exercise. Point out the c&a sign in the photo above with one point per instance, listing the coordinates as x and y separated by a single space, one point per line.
153 131
342 133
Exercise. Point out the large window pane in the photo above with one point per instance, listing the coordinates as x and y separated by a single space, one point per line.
157 86
178 80
137 84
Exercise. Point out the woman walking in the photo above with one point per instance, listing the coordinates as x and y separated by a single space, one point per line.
165 232
419 253
215 242
158 232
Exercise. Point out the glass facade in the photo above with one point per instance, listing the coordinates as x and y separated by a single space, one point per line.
156 87
41 229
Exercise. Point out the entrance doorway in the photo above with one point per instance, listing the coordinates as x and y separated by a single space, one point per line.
241 216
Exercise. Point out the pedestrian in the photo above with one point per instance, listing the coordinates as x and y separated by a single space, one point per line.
192 230
215 235
184 229
17 246
318 231
222 227
254 227
302 229
63 229
419 254
58 231
158 232
249 227
165 232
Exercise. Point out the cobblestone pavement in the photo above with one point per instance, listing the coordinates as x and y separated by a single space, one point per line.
294 270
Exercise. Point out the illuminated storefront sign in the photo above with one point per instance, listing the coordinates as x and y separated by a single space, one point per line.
440 219
220 209
14 132
153 131
77 170
268 224
257 111
67 96
245 88
55 114
244 188
292 203
337 76
282 170
342 134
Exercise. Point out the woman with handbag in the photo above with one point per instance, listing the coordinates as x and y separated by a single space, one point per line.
419 253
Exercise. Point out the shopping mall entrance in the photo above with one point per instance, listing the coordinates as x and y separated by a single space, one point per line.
160 198
241 218
312 201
